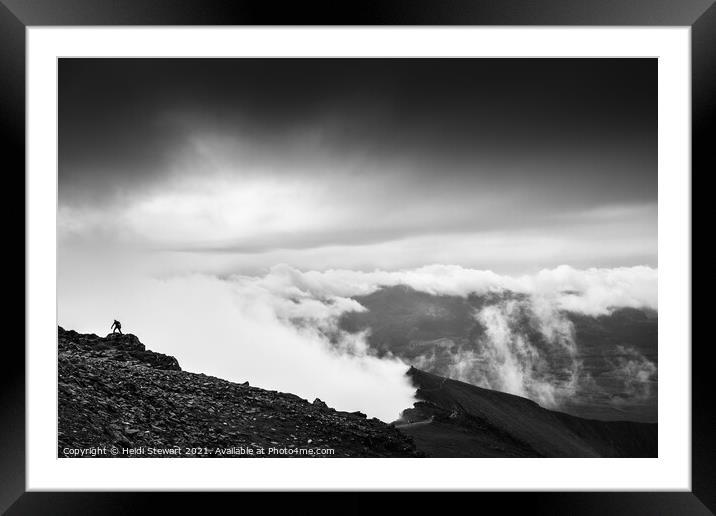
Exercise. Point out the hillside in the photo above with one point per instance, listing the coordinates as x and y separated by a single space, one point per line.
456 419
114 395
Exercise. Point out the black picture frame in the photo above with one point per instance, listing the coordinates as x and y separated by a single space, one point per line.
17 15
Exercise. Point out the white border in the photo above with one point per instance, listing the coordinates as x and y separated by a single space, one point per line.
670 471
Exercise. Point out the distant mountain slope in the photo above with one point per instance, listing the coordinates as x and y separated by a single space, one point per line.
456 419
115 393
615 356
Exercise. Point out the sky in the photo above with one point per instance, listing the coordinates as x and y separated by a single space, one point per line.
235 165
210 204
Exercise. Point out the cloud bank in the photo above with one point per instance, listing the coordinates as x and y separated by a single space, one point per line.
280 330
590 292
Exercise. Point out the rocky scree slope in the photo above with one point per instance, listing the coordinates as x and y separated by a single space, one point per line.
113 392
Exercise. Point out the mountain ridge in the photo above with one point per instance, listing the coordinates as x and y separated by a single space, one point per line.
114 394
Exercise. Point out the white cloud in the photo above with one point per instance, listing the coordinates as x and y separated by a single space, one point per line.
507 358
591 291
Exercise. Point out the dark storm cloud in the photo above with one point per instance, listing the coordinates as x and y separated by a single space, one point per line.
349 162
584 125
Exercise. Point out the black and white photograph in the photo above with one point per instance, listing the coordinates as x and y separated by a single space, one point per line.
357 257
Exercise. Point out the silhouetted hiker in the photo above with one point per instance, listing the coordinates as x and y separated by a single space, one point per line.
116 326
